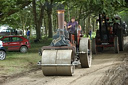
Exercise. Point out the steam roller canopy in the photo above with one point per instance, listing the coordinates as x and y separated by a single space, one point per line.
57 62
85 53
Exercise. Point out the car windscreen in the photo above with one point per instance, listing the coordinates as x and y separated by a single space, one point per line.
16 39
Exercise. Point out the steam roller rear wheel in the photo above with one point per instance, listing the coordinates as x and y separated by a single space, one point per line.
85 53
57 63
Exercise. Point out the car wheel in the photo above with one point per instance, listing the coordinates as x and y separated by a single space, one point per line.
23 49
2 55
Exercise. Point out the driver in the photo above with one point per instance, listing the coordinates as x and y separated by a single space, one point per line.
71 27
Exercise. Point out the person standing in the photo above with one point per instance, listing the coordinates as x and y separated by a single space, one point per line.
66 33
79 26
28 34
65 25
71 27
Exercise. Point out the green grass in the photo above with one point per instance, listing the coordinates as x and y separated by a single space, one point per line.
17 62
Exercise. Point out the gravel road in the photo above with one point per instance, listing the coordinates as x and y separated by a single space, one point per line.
107 68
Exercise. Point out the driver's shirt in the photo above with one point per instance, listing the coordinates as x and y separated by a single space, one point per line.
72 29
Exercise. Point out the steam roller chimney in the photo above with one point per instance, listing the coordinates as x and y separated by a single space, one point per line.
60 12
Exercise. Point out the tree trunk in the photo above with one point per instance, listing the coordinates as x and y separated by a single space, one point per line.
23 29
35 18
68 14
82 23
94 24
49 12
40 20
45 25
50 24
88 25
38 23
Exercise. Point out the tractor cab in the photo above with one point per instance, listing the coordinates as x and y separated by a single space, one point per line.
110 34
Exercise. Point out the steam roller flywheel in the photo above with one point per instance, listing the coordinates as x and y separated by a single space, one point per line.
85 52
57 63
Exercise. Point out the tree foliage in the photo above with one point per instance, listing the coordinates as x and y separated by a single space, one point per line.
37 13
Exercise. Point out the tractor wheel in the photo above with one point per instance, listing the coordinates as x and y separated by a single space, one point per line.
116 45
93 46
85 53
100 49
121 40
57 63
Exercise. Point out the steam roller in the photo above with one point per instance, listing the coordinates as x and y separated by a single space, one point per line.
59 59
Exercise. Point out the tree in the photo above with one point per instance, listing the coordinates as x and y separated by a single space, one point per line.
49 5
43 12
9 7
38 21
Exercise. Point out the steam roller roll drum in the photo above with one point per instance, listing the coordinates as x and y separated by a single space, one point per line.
57 63
85 52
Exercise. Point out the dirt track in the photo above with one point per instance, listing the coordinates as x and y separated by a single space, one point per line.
107 68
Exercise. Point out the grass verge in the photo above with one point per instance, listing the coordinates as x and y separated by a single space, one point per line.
17 62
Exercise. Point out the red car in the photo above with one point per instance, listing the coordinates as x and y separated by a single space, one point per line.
15 43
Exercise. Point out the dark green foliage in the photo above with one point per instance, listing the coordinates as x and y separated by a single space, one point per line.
19 13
